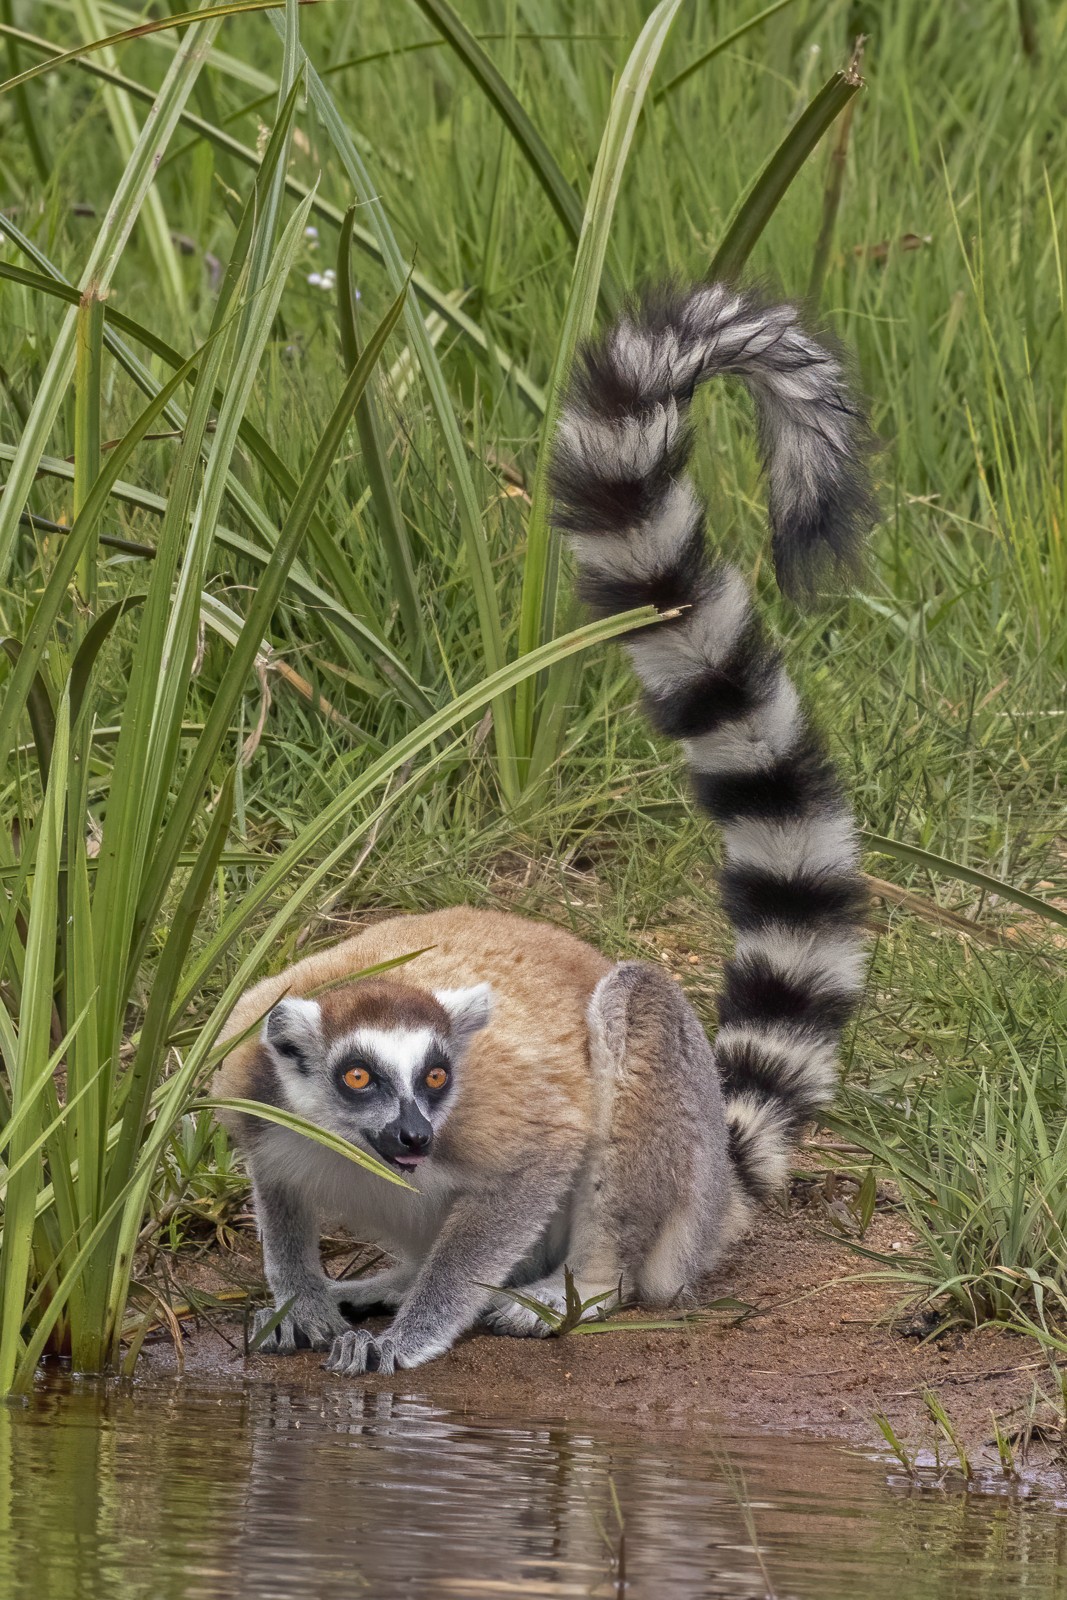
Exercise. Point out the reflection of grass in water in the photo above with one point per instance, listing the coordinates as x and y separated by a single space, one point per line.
1044 1423
734 1477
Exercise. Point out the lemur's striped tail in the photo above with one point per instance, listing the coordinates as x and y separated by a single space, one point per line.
790 883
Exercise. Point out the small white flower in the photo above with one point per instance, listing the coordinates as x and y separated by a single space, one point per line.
316 280
311 233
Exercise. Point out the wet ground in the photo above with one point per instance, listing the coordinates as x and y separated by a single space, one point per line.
824 1348
202 1489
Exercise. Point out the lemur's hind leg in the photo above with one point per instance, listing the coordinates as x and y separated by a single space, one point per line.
659 1173
657 1189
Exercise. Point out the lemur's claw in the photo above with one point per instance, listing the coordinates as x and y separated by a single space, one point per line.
302 1328
358 1351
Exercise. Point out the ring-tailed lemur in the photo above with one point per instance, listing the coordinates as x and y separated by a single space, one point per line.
547 1106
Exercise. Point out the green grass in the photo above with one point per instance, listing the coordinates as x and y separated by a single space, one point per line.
285 650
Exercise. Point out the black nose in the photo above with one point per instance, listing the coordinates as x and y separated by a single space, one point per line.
414 1139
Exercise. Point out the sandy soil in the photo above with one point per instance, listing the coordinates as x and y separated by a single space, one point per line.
822 1353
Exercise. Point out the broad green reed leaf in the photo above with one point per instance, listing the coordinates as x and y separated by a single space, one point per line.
141 1077
119 107
765 193
537 618
31 1110
39 708
121 214
27 1080
141 773
944 867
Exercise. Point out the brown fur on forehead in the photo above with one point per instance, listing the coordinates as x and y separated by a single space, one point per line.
381 1003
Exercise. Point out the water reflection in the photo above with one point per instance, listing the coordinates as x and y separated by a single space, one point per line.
193 1491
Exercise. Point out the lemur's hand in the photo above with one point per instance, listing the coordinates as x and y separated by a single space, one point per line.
313 1322
359 1351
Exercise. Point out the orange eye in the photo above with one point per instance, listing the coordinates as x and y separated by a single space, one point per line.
437 1077
357 1078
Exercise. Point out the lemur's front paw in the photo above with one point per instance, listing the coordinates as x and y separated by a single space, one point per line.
358 1351
309 1324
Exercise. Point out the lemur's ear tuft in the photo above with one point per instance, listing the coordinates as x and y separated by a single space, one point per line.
293 1031
470 1009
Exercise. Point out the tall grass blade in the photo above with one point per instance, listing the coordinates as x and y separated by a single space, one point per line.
947 868
537 618
25 1076
764 195
542 163
124 131
121 214
376 462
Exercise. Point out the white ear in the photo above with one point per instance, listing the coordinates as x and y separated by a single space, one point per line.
470 1009
293 1031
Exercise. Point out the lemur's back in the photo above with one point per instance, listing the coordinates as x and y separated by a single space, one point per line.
527 1074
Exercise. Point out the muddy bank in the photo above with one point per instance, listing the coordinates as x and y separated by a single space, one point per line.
817 1355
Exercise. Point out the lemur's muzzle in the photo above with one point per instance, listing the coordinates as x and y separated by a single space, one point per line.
407 1141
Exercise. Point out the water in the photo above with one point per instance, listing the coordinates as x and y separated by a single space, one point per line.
188 1490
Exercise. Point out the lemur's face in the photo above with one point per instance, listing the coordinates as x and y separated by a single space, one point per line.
376 1061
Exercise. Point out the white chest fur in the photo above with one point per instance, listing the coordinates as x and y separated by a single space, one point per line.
403 1221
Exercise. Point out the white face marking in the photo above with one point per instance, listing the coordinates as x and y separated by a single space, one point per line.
401 1051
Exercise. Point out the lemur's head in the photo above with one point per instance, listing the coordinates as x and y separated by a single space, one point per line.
376 1061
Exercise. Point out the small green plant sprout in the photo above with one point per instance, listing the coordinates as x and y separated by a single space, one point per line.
896 1445
948 1431
1005 1450
600 1312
